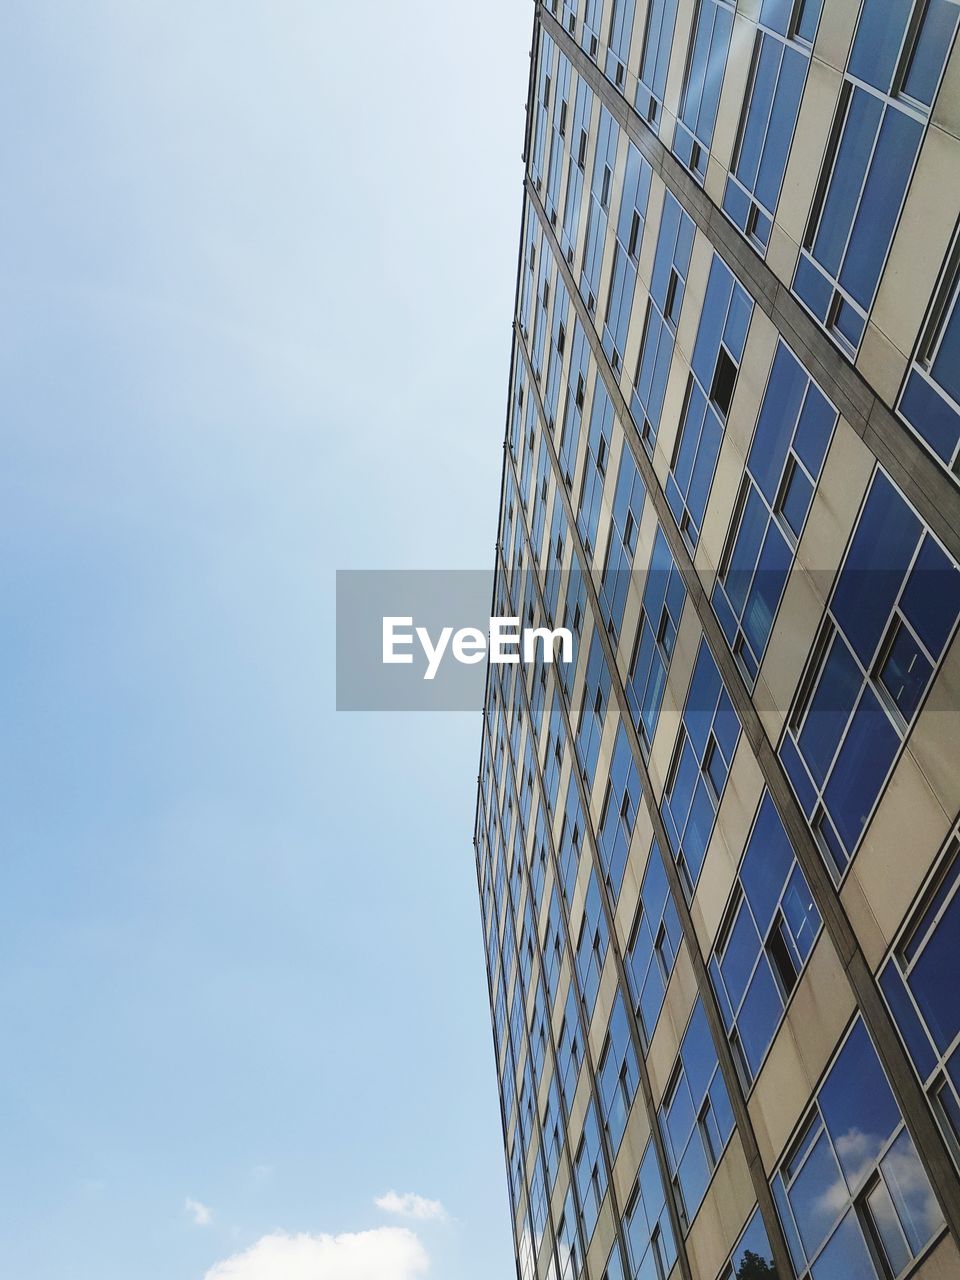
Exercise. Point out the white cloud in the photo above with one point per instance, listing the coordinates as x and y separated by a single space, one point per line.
389 1253
202 1216
411 1206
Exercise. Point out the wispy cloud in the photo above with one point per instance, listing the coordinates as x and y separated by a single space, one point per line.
388 1253
200 1213
411 1206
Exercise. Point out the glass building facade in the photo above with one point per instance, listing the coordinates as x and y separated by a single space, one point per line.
718 853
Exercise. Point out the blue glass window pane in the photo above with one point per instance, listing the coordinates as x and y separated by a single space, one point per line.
768 584
698 830
929 414
781 405
761 99
889 172
736 202
861 768
857 1106
726 726
846 1256
713 316
753 1241
800 914
814 429
882 547
796 500
745 551
651 999
853 156
915 1202
790 759
830 710
780 133
931 598
849 323
878 39
905 673
813 288
698 1054
817 1189
915 1038
738 322
766 863
702 699
739 957
694 1177
789 1230
776 14
759 1017
934 979
946 367
809 17
680 1118
930 51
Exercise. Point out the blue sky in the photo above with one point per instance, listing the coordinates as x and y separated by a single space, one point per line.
256 273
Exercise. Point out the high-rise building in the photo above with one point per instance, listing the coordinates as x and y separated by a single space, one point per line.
718 853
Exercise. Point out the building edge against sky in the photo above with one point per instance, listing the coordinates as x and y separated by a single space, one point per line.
718 854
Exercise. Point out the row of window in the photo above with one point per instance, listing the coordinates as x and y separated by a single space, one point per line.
894 67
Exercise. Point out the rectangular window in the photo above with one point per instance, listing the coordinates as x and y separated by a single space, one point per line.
852 1195
569 1048
598 208
706 63
553 758
573 196
538 1203
925 1006
590 1173
618 814
553 1133
752 1255
654 945
558 131
592 942
617 1075
767 934
793 432
628 502
778 73
655 59
670 267
571 841
554 570
895 64
695 1117
553 944
930 401
651 1248
569 1245
590 35
618 44
721 337
573 409
893 610
663 598
558 342
626 253
708 737
595 467
541 116
593 710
